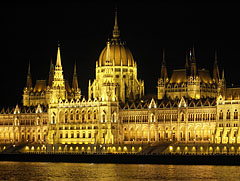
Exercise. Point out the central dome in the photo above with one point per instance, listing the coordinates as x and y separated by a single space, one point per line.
116 53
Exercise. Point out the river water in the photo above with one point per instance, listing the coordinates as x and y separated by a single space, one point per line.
85 171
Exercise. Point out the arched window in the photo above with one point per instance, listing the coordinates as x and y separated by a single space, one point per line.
235 114
71 116
77 115
66 117
152 118
228 114
83 116
221 115
89 115
53 120
182 117
103 118
94 115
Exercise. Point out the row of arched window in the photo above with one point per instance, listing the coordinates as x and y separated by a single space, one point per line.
76 135
133 119
228 114
82 117
202 117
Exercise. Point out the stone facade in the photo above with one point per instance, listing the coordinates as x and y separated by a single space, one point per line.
191 108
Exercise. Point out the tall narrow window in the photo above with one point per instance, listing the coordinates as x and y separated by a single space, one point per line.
228 114
103 118
77 115
235 114
221 115
71 116
82 116
66 117
89 115
182 117
94 115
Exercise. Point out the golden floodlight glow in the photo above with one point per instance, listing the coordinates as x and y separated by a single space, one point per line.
170 148
27 148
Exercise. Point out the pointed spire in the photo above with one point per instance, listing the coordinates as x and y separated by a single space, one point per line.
223 76
116 32
193 62
58 80
164 67
193 55
29 79
108 56
75 80
58 62
186 62
216 75
51 73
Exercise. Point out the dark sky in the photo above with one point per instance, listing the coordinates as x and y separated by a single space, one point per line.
31 31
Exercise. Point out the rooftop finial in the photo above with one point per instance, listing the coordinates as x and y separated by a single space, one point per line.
58 62
116 32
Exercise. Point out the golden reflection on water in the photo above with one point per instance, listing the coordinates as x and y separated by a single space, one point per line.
84 171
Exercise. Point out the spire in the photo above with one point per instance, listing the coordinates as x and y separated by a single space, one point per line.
58 62
29 79
193 58
216 75
193 62
186 63
75 81
51 73
223 76
116 32
108 57
164 67
58 79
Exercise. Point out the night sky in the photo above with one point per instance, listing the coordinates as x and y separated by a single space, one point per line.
31 31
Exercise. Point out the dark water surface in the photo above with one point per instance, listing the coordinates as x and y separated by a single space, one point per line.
85 171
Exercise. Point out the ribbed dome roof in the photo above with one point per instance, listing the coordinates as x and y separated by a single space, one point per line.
118 52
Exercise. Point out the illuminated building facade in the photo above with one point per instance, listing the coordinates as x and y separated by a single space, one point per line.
191 107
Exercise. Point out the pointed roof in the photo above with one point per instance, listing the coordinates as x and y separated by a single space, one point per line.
116 32
164 67
29 79
193 62
51 73
75 80
182 103
58 62
216 75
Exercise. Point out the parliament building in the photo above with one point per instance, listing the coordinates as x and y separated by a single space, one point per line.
192 112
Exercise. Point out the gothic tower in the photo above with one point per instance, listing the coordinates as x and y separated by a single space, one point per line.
58 86
163 79
116 72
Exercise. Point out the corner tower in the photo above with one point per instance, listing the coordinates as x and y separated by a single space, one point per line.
116 72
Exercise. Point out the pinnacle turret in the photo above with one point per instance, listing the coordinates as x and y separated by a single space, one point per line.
116 32
29 79
75 80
